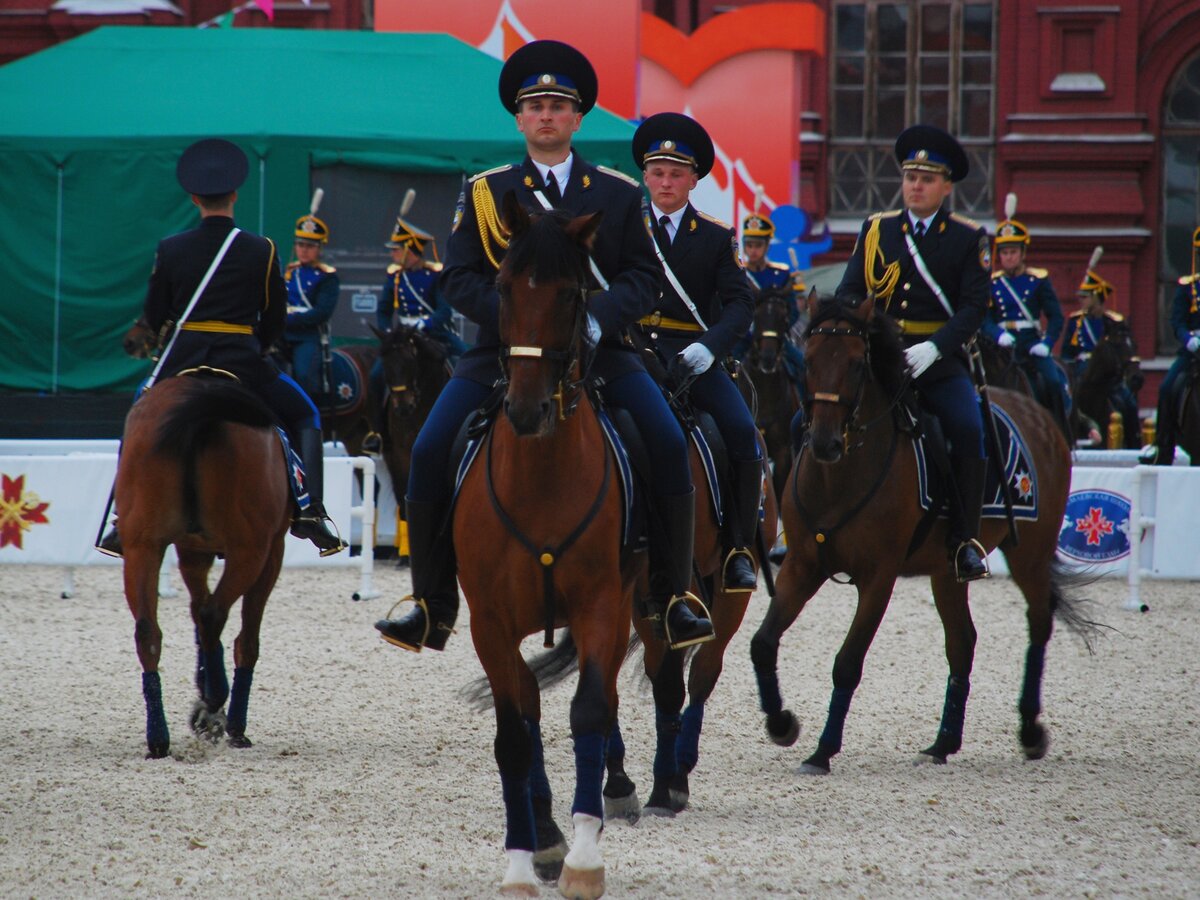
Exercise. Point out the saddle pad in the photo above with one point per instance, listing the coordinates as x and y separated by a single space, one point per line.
1018 471
295 470
710 471
346 384
626 472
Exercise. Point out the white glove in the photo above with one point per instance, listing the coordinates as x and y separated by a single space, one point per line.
1006 340
1039 349
696 358
421 325
593 330
1193 344
921 356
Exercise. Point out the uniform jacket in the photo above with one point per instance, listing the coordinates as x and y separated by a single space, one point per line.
622 251
412 293
704 257
1185 310
775 275
320 287
1084 332
246 289
957 253
1034 289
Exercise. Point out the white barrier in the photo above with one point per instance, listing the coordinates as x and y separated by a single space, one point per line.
53 495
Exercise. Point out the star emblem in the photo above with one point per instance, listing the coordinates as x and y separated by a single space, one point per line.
19 510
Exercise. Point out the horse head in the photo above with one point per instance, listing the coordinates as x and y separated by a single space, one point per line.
405 353
770 329
543 313
139 341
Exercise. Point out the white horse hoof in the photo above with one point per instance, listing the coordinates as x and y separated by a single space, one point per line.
581 884
520 880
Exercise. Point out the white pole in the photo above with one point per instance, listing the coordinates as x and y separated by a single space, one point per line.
366 515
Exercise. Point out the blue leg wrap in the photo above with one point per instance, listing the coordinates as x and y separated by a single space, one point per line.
616 744
1031 689
539 784
518 814
955 709
687 744
216 683
156 719
839 708
239 700
589 775
667 727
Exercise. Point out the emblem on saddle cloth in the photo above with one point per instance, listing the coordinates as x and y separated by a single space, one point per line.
1018 471
295 470
349 393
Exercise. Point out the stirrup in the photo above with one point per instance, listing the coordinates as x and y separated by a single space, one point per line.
375 439
424 641
303 521
734 554
987 572
666 614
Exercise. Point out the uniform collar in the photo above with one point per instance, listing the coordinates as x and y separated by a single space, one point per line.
928 220
562 172
675 217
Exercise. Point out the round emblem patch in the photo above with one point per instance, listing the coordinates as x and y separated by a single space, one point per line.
1095 527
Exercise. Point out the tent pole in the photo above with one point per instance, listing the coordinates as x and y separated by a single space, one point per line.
58 238
262 195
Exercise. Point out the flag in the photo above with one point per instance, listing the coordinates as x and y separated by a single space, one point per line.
268 8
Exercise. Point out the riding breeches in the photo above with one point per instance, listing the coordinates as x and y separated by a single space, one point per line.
428 479
715 393
665 441
956 405
1166 390
306 365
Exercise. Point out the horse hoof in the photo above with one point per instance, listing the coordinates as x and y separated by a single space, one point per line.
581 884
1035 741
240 741
783 728
678 792
520 890
206 724
929 757
157 751
625 809
658 812
548 863
811 767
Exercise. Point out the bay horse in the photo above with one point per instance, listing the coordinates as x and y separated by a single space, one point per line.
542 512
851 506
202 467
778 399
1188 411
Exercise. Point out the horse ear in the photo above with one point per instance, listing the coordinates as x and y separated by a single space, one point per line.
814 300
514 216
583 228
379 334
867 307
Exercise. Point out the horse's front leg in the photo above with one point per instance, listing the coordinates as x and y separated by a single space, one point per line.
955 611
141 593
551 843
620 793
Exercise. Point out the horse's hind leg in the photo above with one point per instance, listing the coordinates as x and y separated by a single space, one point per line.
141 593
245 646
1036 583
955 611
212 683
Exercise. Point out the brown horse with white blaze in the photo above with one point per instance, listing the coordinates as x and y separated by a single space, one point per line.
852 507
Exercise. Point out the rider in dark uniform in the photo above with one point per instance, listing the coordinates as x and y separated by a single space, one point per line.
706 308
1185 325
312 295
938 310
1021 295
239 312
549 86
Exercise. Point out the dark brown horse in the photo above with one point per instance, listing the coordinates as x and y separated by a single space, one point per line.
1113 362
1188 427
1004 370
777 397
852 507
202 467
542 513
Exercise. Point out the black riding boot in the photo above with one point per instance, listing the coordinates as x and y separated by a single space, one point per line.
970 560
1165 438
310 524
741 527
110 544
671 573
435 587
373 442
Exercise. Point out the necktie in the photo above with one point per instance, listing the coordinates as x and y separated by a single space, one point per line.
919 230
552 192
664 235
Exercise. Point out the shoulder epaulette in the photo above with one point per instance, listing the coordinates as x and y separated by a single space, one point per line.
326 268
706 217
1188 279
997 275
617 174
474 178
394 268
1115 316
1036 272
884 215
293 264
1078 314
778 265
432 266
970 223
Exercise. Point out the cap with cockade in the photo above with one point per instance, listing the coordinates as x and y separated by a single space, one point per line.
212 167
673 137
926 148
548 69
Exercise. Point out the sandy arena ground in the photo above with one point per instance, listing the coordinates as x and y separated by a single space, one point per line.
370 778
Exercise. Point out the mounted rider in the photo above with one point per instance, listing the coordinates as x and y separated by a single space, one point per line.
410 296
312 293
1185 325
765 274
218 289
549 86
706 307
1021 296
929 270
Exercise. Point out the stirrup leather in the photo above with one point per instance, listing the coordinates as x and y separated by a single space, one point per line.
733 554
684 598
987 570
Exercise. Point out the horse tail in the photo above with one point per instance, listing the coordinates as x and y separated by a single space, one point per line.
1069 607
197 423
550 669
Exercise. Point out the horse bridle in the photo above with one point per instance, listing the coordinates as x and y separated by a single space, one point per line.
782 338
568 392
413 390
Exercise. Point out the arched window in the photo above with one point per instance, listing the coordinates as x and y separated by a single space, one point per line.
1181 190
897 64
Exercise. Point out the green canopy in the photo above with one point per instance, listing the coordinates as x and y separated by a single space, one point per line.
90 131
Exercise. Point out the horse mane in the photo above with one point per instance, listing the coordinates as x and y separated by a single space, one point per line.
888 364
545 250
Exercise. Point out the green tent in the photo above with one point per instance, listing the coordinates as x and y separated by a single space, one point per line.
90 132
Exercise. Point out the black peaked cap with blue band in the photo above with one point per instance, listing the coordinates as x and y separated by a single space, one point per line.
548 69
673 137
212 167
929 149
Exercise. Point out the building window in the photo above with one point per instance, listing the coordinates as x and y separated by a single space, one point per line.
1181 191
899 63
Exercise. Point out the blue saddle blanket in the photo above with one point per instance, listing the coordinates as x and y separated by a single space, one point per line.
1018 470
